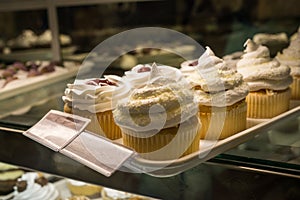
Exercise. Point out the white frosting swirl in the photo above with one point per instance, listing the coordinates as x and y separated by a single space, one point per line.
262 72
162 103
96 98
291 55
138 77
214 82
35 191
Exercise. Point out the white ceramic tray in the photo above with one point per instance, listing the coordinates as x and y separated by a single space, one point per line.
208 150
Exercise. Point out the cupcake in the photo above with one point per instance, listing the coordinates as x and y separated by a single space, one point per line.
274 42
268 82
291 57
9 175
78 188
159 120
139 75
93 99
220 94
34 185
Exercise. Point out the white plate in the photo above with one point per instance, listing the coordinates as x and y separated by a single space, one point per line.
208 150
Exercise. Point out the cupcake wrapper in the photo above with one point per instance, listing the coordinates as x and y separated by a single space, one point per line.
108 125
295 86
266 105
167 144
217 124
102 123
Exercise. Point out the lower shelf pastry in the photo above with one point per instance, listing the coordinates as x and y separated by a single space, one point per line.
34 185
111 194
78 188
8 177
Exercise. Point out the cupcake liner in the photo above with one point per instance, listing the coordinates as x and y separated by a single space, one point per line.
294 103
262 105
220 123
167 144
102 123
295 87
108 125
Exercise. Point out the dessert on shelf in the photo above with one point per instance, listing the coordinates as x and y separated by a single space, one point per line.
268 80
9 175
275 42
291 57
220 93
95 98
159 120
34 185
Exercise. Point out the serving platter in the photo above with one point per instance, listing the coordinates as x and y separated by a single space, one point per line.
208 149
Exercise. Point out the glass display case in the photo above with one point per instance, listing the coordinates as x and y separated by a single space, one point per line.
242 167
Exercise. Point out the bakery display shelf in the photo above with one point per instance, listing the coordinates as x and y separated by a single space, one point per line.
15 5
36 54
19 96
208 150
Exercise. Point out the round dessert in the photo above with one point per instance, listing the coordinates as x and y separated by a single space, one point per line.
111 194
95 99
159 121
291 57
9 175
34 186
274 42
139 75
220 93
78 188
268 82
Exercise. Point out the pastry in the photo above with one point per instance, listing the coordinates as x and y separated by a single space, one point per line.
45 39
95 99
78 188
34 185
9 175
220 94
24 41
291 57
139 75
159 121
111 194
268 82
274 42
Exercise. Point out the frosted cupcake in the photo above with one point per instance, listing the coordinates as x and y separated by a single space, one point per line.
220 93
159 121
139 75
291 57
93 99
268 82
34 186
275 42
